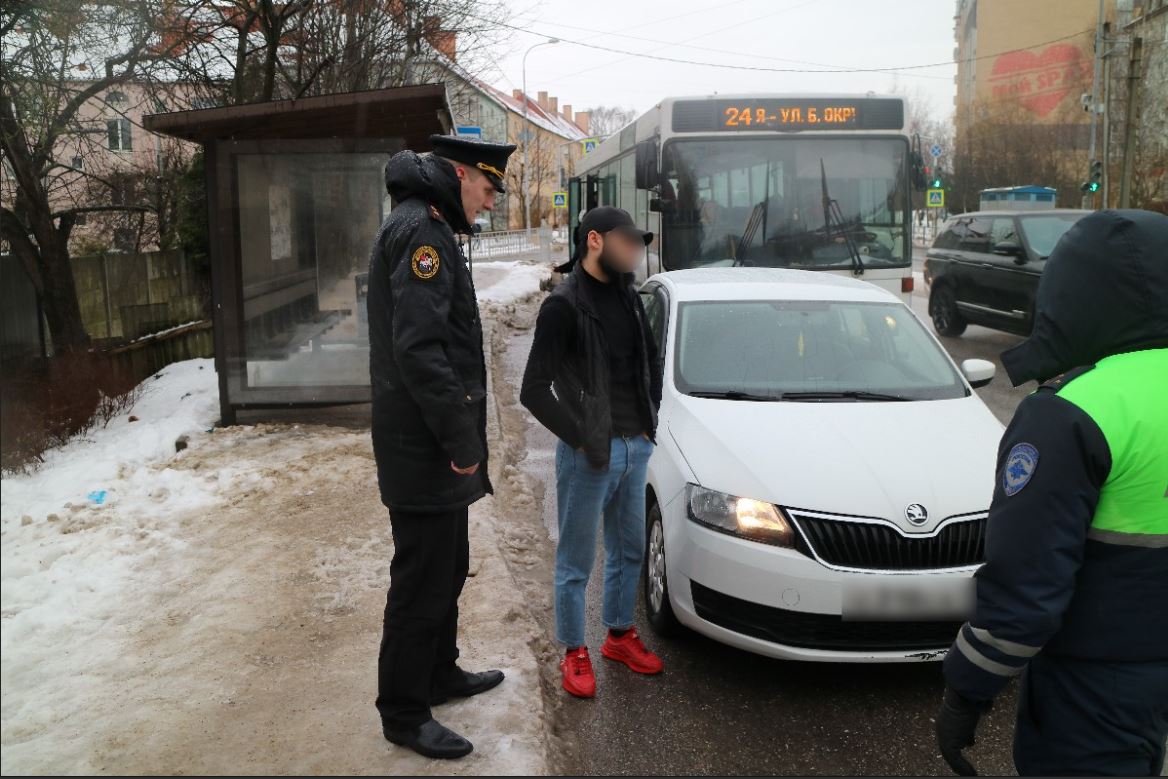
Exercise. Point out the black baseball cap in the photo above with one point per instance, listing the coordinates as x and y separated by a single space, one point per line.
603 219
490 158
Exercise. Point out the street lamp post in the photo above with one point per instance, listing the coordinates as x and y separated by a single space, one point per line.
527 140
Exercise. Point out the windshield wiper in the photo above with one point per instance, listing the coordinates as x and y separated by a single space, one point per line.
832 213
732 395
842 395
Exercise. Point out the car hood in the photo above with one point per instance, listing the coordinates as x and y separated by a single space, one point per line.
870 459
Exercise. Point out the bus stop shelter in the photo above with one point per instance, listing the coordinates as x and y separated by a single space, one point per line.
295 195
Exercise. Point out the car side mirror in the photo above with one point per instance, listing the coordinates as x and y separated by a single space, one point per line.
978 372
1010 249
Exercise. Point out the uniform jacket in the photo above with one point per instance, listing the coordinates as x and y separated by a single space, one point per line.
1077 541
425 345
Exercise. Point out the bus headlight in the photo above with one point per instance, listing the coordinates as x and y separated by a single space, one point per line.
744 517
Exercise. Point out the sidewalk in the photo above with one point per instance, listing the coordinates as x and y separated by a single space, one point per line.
220 610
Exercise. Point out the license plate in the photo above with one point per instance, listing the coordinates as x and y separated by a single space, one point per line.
907 598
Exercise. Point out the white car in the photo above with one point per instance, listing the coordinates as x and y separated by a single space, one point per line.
823 471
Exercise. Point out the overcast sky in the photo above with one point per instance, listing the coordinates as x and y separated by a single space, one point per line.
814 34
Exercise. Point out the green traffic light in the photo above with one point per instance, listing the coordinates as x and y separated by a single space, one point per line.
1094 187
936 183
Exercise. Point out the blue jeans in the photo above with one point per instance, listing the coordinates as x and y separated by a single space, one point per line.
583 495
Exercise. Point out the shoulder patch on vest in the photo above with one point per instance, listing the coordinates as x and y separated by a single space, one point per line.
1021 463
425 262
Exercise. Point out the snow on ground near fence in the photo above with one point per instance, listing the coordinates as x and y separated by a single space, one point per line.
182 399
508 281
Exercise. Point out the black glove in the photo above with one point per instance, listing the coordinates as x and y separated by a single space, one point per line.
956 724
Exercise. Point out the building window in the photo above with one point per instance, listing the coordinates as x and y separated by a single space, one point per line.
119 134
77 163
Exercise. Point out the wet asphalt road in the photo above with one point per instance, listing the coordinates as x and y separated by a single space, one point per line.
720 710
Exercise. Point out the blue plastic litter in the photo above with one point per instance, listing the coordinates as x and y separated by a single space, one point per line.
97 496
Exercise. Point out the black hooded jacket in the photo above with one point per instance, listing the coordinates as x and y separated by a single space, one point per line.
425 345
1077 535
1102 293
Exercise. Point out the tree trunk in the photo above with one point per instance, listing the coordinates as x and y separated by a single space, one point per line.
60 298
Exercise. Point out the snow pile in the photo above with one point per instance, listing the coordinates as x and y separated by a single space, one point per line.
508 281
182 399
90 528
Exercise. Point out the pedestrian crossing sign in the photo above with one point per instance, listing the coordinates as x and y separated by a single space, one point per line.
590 144
559 200
935 198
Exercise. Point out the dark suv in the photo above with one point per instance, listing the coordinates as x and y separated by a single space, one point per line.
984 267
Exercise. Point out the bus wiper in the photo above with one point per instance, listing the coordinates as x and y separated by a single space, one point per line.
832 213
732 395
841 395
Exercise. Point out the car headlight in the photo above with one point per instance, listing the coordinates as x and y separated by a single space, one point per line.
745 517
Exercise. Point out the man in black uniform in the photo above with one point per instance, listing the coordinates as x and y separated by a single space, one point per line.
429 427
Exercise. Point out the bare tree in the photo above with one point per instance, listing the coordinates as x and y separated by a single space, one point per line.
1003 147
606 120
59 56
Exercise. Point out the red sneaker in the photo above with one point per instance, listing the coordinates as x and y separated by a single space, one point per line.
629 650
578 676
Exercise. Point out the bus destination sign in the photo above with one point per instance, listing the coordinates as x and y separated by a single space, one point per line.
788 114
799 115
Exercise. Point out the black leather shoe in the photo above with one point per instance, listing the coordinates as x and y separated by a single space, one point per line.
464 684
431 739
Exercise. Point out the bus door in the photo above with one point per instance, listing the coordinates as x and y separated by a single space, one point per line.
574 209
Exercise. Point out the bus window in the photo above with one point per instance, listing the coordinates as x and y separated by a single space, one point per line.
760 202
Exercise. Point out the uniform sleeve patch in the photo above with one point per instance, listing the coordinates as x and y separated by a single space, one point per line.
1020 466
425 262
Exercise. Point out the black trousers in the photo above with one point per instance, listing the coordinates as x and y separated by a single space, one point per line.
1080 717
419 640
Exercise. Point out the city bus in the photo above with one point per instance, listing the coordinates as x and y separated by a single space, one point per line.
811 182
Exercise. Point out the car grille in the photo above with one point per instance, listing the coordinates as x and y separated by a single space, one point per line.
873 546
817 631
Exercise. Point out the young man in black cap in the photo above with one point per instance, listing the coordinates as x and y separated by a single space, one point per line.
592 345
429 427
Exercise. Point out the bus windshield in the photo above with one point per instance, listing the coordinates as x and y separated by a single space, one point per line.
772 202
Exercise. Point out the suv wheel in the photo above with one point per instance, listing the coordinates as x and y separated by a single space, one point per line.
947 320
654 580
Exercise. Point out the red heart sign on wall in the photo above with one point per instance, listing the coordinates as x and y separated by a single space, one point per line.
1039 81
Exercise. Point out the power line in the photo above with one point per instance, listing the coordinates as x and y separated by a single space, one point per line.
694 38
729 66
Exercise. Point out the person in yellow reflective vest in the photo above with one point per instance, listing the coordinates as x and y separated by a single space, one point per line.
1073 596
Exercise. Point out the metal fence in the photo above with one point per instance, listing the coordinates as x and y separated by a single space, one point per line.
503 243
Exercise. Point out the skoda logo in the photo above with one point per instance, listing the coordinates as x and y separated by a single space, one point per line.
916 514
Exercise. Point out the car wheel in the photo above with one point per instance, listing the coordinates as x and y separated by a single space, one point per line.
654 580
947 320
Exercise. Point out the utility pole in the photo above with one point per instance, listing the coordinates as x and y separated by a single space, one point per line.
527 134
1089 197
1106 58
1129 129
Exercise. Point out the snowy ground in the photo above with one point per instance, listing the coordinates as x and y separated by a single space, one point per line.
218 609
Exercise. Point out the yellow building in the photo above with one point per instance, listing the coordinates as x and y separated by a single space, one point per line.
1023 67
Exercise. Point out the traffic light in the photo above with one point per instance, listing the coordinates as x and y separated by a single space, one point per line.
1092 183
937 183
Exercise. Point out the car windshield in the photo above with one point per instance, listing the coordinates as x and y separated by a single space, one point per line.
809 350
762 202
1043 232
